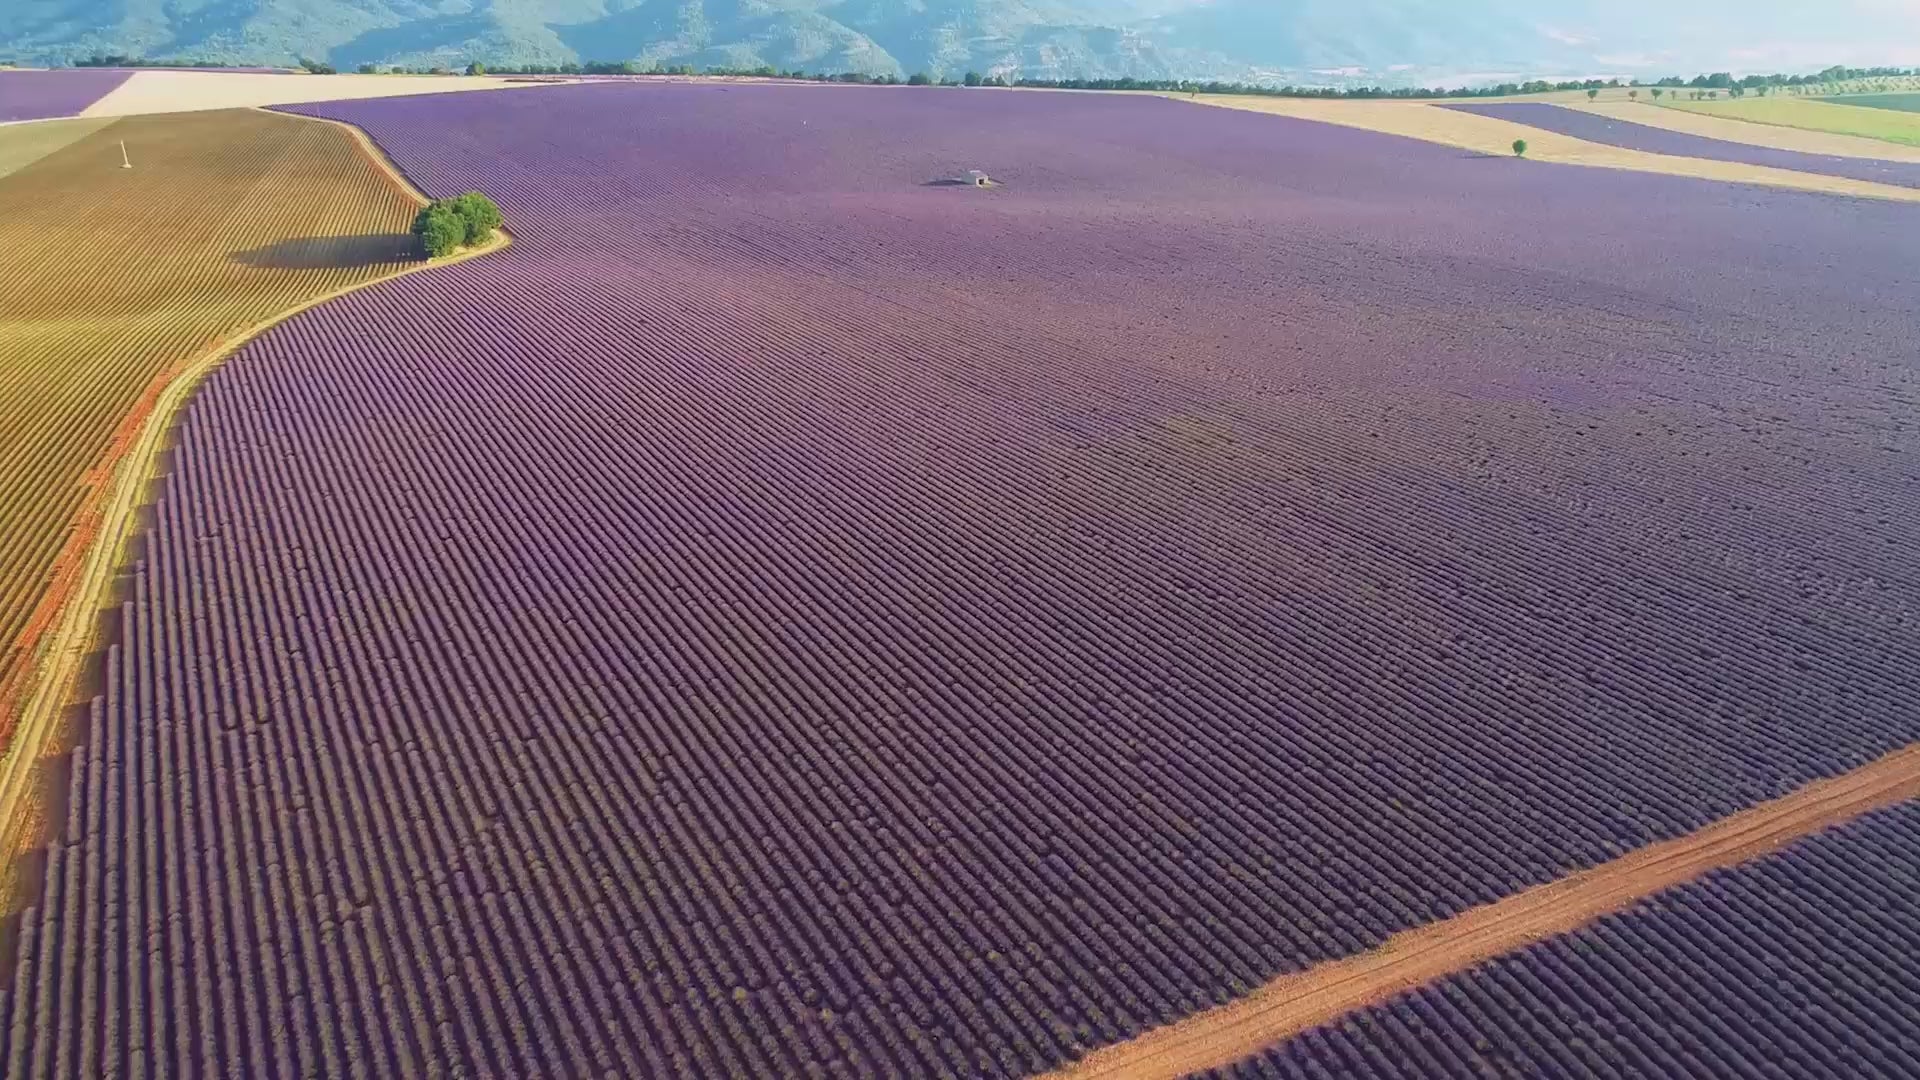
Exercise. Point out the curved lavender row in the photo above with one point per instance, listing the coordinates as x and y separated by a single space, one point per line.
1653 140
1805 963
777 618
43 95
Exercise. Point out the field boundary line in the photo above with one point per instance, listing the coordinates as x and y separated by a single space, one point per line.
52 667
1301 1000
1545 147
373 153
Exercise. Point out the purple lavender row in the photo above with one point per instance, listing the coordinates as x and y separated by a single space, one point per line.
42 95
1654 140
778 618
1805 963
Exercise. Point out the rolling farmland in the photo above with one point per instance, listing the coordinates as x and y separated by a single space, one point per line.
1600 129
1805 963
109 300
784 618
40 95
1815 115
1492 137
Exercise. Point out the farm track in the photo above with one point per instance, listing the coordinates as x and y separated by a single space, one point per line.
45 663
1295 1002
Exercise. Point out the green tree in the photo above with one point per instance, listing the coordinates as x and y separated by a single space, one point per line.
973 79
919 78
1519 148
1591 94
476 68
445 225
440 229
481 214
1657 92
366 69
1633 95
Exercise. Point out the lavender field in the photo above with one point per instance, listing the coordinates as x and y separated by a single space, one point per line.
1805 963
42 95
783 618
1654 140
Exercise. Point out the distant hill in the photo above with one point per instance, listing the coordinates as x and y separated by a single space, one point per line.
1302 41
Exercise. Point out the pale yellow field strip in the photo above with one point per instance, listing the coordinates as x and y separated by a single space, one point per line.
1488 135
1742 131
1302 1000
193 91
25 142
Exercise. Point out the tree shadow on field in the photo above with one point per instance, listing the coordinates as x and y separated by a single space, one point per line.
331 252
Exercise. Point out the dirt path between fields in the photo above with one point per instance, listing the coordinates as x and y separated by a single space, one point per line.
1301 1000
63 654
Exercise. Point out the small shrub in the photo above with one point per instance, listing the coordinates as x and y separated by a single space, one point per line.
973 79
476 68
1591 94
1657 92
1519 148
919 78
366 69
1633 95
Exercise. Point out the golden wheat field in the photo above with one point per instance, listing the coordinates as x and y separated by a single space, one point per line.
117 278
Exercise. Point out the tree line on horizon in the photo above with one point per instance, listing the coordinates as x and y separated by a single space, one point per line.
1699 85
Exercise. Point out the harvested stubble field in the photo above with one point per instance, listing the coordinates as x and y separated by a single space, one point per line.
23 144
39 95
1805 963
1653 140
780 618
117 280
1814 115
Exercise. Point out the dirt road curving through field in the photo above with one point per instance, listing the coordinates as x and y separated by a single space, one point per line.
1296 1002
99 543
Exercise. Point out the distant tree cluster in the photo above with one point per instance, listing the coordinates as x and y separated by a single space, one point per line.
118 60
1699 85
444 226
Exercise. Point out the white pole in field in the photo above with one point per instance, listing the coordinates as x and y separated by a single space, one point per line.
125 161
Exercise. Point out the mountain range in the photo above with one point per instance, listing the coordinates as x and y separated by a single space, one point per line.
1335 42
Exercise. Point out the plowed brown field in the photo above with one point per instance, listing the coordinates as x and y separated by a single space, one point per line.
117 279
